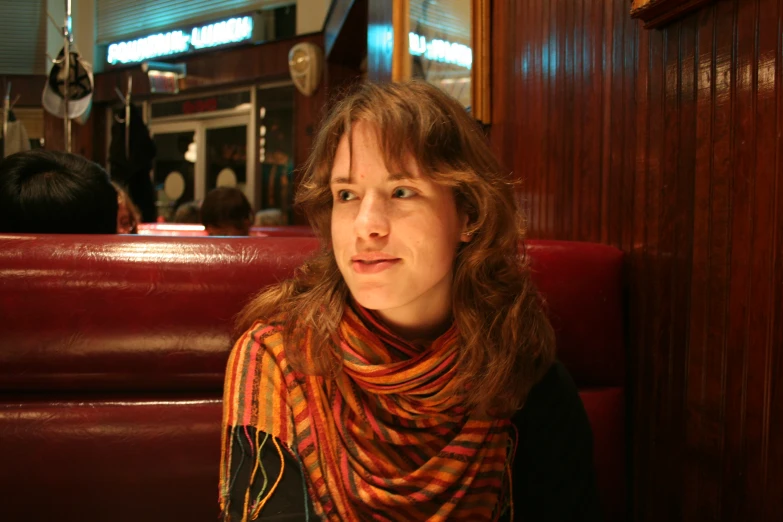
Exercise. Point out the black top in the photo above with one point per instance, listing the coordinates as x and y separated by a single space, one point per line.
553 474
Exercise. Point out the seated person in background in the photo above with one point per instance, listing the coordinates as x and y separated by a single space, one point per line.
128 215
226 212
189 212
407 372
50 192
270 217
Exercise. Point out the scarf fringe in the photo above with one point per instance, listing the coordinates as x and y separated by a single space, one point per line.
255 511
252 510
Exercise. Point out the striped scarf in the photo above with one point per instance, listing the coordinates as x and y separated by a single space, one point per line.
387 439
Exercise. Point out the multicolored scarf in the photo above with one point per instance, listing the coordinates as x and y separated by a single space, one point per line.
387 439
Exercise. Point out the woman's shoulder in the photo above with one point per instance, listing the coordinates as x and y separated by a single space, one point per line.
260 387
554 401
556 383
554 472
259 346
266 330
262 332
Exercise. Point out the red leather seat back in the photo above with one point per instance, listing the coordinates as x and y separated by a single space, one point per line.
582 285
113 350
124 313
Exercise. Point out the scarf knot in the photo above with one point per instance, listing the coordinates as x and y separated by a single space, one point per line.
396 373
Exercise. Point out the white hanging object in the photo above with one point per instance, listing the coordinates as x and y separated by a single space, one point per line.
226 178
174 186
305 63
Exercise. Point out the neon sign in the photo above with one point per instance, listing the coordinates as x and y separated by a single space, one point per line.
176 42
440 50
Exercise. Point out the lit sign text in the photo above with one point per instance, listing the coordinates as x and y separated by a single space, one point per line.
440 50
175 42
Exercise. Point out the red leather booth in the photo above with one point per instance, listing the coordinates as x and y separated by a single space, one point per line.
112 354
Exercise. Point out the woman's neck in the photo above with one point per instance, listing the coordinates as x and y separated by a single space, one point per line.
416 326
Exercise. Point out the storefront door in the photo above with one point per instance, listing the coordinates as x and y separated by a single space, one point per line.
195 156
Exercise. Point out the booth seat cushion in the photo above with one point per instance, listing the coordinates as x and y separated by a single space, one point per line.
77 458
582 285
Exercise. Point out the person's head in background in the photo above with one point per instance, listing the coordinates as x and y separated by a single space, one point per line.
128 215
226 212
51 192
270 217
189 212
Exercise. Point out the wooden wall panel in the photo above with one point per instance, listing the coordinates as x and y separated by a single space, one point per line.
667 144
28 88
82 136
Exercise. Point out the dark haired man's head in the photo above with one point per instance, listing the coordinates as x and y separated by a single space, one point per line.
189 212
226 212
52 192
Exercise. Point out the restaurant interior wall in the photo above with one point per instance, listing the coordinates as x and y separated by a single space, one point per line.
667 144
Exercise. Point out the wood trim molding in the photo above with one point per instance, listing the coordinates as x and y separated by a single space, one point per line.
480 70
657 13
401 59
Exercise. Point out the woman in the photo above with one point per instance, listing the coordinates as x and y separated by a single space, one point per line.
406 372
128 215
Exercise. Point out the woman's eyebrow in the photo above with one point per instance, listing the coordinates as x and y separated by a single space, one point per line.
398 176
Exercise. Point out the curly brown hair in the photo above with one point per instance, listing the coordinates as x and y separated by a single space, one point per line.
507 342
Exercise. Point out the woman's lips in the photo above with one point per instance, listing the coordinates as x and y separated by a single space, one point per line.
373 267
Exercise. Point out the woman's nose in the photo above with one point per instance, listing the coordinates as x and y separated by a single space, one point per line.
372 221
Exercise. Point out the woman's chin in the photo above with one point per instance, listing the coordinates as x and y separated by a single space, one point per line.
374 299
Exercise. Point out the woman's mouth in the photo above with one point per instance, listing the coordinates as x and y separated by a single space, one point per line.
375 266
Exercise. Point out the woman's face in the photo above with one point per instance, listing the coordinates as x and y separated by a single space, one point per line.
125 220
394 234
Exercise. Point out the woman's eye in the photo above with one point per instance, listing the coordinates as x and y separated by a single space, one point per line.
403 192
345 195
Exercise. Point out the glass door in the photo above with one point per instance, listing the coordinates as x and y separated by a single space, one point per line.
174 171
275 182
226 162
195 156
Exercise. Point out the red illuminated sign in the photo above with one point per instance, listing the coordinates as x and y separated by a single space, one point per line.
202 105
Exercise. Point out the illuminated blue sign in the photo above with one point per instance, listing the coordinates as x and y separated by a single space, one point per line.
440 50
176 42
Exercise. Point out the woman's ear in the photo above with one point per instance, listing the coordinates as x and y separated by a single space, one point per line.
467 233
